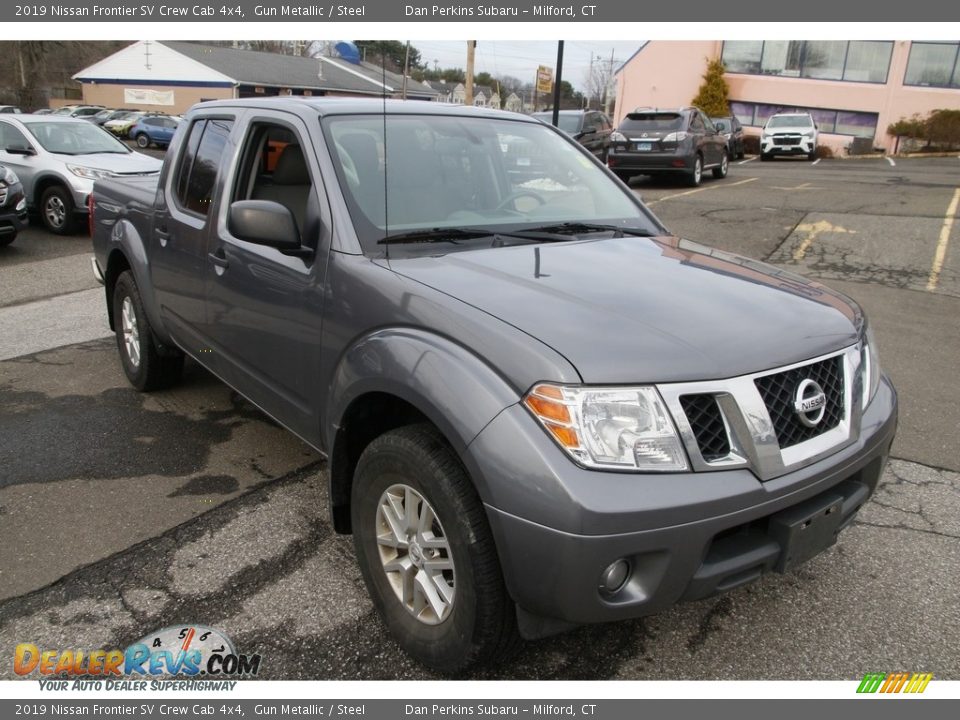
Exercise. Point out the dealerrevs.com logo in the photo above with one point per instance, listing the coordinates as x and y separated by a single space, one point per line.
189 650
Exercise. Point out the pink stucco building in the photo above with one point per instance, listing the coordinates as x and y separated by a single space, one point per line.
853 88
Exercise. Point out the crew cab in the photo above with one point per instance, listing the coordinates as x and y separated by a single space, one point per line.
539 407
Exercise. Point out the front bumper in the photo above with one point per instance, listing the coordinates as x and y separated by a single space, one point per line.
806 146
684 535
13 216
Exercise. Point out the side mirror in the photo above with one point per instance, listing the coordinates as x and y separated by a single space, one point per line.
21 150
265 222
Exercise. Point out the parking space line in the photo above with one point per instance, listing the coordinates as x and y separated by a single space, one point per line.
817 161
744 162
700 189
941 253
889 160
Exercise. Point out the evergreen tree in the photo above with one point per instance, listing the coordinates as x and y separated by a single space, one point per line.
714 94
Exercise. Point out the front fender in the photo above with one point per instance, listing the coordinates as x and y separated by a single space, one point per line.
448 383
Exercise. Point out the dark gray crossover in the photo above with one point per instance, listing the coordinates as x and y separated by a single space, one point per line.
539 407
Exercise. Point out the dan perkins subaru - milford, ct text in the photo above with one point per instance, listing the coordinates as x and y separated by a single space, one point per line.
496 10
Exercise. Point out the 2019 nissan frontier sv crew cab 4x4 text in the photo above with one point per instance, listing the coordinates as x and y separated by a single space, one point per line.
539 407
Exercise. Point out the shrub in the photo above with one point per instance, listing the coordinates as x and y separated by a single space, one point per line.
824 151
940 128
714 94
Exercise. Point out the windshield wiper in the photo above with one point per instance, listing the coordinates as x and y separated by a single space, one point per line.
578 228
451 235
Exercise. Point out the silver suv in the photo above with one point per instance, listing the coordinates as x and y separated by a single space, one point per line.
58 158
789 134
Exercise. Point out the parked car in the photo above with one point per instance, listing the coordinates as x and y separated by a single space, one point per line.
13 109
58 158
109 114
43 111
120 125
590 128
540 408
78 111
154 130
664 142
13 206
789 134
732 130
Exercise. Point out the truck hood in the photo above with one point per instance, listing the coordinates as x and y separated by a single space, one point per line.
644 310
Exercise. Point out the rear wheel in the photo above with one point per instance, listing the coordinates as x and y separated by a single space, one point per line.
427 554
721 172
143 141
144 366
57 210
696 174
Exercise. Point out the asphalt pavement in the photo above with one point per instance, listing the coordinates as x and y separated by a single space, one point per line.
122 513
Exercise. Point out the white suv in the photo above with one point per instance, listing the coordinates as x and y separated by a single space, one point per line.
789 134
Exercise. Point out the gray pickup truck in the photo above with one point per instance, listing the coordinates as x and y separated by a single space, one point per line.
540 408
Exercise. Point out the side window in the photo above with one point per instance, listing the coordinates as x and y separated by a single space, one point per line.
197 174
696 123
12 137
275 168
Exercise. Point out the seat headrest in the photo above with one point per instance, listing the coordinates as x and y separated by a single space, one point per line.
291 167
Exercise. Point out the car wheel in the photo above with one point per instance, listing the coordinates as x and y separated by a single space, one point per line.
144 366
721 172
56 210
427 554
764 157
7 239
143 141
812 155
696 175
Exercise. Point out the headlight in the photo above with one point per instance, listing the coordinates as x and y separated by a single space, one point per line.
625 428
808 134
675 136
870 362
8 176
90 173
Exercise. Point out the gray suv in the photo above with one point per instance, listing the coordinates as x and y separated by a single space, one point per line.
58 158
681 142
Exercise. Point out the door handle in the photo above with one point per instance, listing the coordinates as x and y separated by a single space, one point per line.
218 259
162 235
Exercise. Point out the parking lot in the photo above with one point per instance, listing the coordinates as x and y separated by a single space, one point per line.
123 513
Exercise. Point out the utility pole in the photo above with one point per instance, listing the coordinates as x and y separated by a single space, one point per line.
406 69
609 95
556 84
468 86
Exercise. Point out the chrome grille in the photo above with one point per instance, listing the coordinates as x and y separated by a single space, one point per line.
3 195
779 392
786 139
706 421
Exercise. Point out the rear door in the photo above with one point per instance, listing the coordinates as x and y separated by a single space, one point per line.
183 220
266 307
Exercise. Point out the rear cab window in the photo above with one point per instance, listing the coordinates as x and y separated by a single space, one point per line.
199 164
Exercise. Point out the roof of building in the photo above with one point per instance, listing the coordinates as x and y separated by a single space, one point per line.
381 77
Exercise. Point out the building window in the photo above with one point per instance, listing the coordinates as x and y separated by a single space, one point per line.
933 64
854 61
837 122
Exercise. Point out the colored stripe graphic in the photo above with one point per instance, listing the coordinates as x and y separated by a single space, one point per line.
894 682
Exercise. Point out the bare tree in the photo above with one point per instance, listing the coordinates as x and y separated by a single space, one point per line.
598 81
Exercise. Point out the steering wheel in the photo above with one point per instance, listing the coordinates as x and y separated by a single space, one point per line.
519 194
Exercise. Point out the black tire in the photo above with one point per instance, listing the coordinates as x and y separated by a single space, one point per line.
695 176
7 239
143 141
150 370
57 210
811 156
623 175
721 172
481 622
764 157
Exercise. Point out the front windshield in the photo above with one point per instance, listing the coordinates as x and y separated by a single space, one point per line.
568 122
75 138
465 172
790 121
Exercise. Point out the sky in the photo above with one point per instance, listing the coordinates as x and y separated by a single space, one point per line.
520 59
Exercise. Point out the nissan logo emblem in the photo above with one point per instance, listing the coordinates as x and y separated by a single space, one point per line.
810 403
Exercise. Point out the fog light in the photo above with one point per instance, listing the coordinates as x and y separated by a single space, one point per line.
615 576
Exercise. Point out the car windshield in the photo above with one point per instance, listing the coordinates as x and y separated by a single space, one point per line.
790 121
475 175
75 138
721 124
651 122
568 122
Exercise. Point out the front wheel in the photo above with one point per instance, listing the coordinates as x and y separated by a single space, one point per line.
696 174
427 554
144 366
143 141
721 172
57 210
812 155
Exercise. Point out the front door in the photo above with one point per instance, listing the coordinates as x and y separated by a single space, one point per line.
265 307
